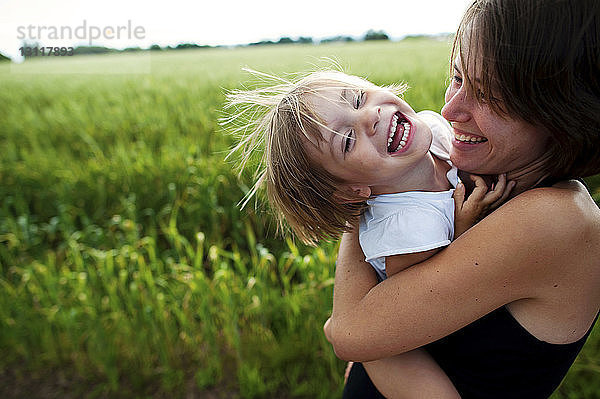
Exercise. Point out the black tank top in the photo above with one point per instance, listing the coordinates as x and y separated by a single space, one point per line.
495 357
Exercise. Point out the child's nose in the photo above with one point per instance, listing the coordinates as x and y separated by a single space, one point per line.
371 120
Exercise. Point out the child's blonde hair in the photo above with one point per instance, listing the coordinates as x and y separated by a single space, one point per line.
280 121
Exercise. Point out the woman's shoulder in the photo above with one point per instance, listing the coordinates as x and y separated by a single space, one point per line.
546 229
561 226
566 204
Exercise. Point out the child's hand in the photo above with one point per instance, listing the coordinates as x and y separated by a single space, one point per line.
479 203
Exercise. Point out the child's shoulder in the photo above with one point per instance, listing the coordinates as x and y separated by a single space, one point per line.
433 118
441 132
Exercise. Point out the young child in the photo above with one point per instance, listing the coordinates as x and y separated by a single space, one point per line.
339 152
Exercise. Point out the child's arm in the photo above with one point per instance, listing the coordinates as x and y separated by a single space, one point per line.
397 263
466 214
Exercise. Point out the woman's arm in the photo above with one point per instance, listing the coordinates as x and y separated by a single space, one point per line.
466 214
510 255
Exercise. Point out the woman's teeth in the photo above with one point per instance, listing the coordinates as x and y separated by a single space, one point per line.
393 129
469 139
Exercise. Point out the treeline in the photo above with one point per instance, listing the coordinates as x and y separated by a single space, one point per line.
82 50
368 36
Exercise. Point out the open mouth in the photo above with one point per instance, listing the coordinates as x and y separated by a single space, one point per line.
399 133
468 138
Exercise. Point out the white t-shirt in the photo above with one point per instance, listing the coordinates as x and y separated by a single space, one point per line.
413 221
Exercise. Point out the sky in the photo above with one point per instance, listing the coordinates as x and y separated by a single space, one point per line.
128 23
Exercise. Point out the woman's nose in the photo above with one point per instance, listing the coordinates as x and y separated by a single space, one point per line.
457 107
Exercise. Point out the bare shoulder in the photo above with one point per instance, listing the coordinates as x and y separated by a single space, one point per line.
561 226
555 225
565 210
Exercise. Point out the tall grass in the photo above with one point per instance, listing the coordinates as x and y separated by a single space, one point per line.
126 267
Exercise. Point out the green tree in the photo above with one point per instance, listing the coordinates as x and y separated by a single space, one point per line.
376 35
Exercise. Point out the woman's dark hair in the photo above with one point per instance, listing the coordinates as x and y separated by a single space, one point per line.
539 60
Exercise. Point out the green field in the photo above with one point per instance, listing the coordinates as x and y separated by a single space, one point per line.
126 267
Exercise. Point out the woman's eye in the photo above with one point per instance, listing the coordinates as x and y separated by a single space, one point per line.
457 80
348 141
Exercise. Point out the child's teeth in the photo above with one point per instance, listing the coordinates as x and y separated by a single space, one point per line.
394 129
406 131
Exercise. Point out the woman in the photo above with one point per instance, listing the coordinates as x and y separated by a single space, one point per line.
505 309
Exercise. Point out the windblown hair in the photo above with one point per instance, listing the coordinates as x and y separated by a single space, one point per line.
539 60
279 122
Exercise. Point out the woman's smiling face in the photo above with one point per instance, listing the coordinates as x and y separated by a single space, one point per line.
485 142
370 135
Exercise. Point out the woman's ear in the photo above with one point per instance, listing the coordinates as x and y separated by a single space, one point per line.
353 193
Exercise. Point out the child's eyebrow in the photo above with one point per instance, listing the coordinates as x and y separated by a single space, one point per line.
344 96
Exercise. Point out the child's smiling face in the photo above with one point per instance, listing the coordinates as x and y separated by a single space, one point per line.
372 137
